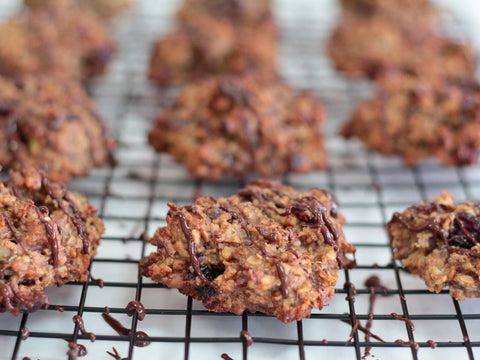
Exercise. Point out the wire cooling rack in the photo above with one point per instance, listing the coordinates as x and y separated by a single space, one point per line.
132 198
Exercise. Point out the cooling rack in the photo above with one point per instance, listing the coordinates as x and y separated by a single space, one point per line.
132 198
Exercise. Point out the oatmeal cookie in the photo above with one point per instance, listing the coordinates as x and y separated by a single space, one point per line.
440 242
205 45
48 236
67 42
231 126
105 9
268 249
235 10
368 47
410 15
51 124
416 120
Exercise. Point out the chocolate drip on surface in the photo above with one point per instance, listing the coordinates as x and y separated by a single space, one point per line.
405 320
138 307
78 319
191 249
76 350
50 230
99 281
407 343
363 329
352 332
248 338
226 357
122 330
116 355
353 291
373 283
25 333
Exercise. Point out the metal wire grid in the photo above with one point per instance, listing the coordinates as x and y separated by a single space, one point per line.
132 198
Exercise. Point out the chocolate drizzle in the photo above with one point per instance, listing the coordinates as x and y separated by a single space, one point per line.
312 211
226 357
76 350
12 229
462 236
99 281
121 330
138 307
78 319
115 354
351 291
191 249
76 217
407 343
42 212
405 320
352 332
25 333
373 283
248 338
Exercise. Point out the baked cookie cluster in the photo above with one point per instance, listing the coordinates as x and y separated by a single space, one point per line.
217 37
234 117
233 126
427 101
48 236
49 132
267 248
52 125
418 121
440 242
105 9
47 121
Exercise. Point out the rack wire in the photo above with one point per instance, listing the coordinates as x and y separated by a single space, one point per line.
132 198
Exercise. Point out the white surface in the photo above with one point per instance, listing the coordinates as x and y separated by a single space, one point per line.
369 188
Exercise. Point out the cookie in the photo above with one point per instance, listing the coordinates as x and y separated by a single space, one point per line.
235 10
105 9
63 41
206 44
268 249
51 124
364 47
233 126
410 15
48 236
417 120
439 241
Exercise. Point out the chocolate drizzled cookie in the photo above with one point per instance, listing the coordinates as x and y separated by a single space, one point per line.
440 242
48 236
268 249
239 125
